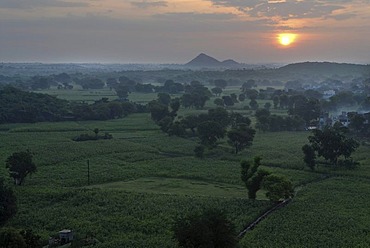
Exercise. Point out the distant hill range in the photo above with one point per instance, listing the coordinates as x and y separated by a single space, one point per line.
205 61
326 68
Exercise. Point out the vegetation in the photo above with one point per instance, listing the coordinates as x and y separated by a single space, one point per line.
209 229
331 144
18 106
147 177
20 164
10 237
8 204
252 176
277 187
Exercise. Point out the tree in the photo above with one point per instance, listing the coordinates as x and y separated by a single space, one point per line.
275 100
158 110
13 238
308 109
309 156
253 104
122 90
221 83
8 203
164 98
228 101
241 137
263 119
252 176
252 94
237 119
278 188
241 97
248 85
199 151
219 102
331 143
267 105
217 91
20 164
10 237
91 83
31 239
220 116
208 229
209 132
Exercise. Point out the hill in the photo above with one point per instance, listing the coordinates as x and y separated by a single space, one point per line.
327 68
204 60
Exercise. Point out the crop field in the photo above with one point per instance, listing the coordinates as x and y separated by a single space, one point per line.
143 179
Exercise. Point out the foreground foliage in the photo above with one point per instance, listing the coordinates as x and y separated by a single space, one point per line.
8 205
208 229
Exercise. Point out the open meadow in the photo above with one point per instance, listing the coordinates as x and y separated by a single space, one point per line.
142 180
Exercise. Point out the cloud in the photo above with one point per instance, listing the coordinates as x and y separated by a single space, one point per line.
28 4
342 17
192 16
284 9
145 4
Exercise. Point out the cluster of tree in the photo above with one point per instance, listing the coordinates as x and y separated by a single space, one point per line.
228 100
274 123
85 136
208 127
20 106
8 202
105 110
11 237
211 228
332 144
359 124
277 187
90 83
17 106
62 81
163 112
196 95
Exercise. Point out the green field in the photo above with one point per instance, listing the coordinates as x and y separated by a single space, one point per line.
143 179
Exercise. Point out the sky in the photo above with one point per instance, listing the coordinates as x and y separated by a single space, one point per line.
175 31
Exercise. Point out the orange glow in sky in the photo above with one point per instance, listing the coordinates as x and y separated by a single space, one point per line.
286 39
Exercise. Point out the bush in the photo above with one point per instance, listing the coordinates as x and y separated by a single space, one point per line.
209 229
199 151
85 137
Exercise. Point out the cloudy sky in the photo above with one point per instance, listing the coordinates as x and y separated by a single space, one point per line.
175 31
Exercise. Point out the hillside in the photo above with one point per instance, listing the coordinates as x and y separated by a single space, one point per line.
203 60
327 68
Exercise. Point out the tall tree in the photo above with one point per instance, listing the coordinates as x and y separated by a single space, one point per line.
252 176
331 143
309 156
209 132
278 188
217 91
241 137
208 229
8 202
20 164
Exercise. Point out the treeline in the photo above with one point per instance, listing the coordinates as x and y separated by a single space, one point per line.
208 127
17 106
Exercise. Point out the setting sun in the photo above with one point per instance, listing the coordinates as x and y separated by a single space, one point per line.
286 39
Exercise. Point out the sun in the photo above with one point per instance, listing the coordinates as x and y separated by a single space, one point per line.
286 39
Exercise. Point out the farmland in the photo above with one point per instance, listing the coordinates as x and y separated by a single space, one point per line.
143 179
